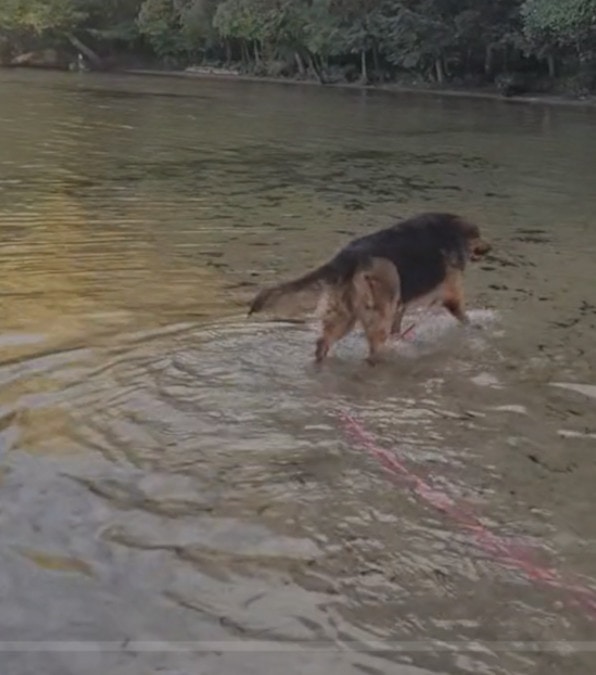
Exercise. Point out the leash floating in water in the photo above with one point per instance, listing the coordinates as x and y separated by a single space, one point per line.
502 549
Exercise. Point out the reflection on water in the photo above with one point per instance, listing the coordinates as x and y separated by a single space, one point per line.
174 477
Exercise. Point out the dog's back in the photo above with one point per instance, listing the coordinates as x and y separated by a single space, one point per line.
373 278
420 248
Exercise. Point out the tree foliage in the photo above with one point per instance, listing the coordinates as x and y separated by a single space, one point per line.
372 40
41 16
561 22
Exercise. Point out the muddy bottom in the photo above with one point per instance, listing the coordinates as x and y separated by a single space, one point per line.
183 491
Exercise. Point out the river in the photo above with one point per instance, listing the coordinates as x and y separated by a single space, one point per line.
181 492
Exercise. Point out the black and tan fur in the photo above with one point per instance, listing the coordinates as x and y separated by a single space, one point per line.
371 298
374 278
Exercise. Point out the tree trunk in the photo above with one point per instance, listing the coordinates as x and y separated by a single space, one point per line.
299 64
439 70
244 50
552 65
316 70
587 65
488 59
375 56
321 65
87 51
228 53
363 67
256 52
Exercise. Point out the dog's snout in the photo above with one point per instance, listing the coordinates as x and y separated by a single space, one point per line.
481 247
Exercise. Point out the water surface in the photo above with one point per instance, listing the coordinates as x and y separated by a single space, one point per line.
175 475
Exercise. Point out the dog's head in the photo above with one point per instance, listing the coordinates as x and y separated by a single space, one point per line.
476 246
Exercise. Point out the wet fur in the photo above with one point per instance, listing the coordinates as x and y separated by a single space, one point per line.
371 299
428 252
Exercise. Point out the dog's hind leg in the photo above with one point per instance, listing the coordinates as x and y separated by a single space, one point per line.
333 331
377 303
338 320
377 333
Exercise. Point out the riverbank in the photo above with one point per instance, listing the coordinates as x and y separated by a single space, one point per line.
396 88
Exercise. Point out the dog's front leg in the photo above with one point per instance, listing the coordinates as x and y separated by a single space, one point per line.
397 319
453 296
456 308
376 341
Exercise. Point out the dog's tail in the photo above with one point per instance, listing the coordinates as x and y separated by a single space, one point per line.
268 297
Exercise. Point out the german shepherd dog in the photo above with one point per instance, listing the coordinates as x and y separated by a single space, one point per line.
373 279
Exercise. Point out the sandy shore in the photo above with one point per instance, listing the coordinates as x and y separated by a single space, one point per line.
545 99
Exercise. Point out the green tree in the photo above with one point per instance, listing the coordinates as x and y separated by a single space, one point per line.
71 20
303 29
114 20
363 25
49 18
551 24
436 39
488 27
159 22
247 21
419 35
196 19
42 16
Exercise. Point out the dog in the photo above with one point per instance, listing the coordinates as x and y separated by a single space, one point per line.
374 278
371 298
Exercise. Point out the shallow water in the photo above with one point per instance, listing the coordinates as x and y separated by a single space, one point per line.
179 492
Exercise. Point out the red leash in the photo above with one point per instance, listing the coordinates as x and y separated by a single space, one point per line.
501 548
411 327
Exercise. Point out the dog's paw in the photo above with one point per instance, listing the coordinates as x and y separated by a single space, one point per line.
321 350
